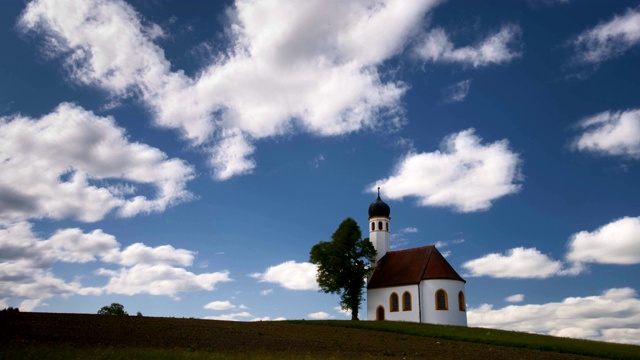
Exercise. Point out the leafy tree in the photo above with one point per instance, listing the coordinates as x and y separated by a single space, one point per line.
344 263
113 309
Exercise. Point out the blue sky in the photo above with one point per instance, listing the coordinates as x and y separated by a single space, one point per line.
183 158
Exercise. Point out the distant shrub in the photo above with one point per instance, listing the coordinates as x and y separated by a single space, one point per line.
10 309
113 309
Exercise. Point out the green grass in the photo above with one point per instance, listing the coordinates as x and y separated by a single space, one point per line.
493 337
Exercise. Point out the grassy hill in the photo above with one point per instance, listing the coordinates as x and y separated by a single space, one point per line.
63 336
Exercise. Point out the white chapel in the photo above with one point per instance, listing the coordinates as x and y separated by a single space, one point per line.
416 285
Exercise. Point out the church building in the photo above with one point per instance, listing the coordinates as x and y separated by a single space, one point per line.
417 285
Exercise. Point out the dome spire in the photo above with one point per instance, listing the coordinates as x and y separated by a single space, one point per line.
379 208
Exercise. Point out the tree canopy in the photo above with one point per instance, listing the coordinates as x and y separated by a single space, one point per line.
113 309
343 264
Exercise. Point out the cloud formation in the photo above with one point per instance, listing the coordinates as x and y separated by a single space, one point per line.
617 242
72 163
26 263
275 77
465 175
611 133
613 316
516 263
456 92
497 48
609 39
291 275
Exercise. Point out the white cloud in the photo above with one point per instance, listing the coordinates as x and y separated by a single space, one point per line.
515 298
495 49
27 262
275 76
611 133
456 92
516 263
159 279
139 253
291 275
266 292
220 305
612 316
230 317
72 163
342 311
320 315
466 175
268 318
617 242
609 39
398 239
442 244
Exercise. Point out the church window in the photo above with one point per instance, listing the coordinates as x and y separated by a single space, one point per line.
441 300
387 226
373 226
406 301
393 302
379 225
380 313
461 304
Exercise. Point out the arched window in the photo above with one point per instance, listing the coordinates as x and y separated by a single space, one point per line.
461 304
373 226
442 302
379 225
387 226
393 302
406 301
380 313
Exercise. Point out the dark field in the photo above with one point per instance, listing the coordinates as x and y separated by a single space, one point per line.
28 331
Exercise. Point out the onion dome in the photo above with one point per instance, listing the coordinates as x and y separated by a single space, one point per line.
379 208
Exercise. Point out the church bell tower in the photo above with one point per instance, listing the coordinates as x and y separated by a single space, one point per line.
379 234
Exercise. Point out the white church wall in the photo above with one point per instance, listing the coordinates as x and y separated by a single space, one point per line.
453 315
381 297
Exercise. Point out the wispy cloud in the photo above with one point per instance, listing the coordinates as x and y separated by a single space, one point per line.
609 39
497 48
456 92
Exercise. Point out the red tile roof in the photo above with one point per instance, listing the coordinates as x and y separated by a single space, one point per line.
410 266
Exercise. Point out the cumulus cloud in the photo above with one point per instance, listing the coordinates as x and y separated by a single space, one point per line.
159 279
27 262
266 292
609 39
220 305
611 133
612 316
238 316
275 77
456 92
617 242
320 315
515 298
516 263
495 49
72 163
291 275
465 175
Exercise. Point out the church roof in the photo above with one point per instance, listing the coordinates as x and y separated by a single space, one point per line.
410 266
379 208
